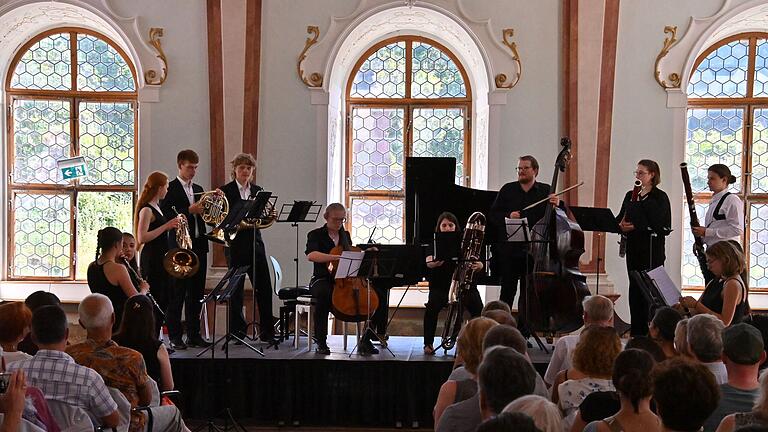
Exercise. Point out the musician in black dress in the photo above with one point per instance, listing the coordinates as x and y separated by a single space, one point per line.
108 277
152 228
726 296
510 202
647 225
320 242
439 276
246 246
183 196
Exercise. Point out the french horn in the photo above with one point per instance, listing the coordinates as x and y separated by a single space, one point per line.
181 262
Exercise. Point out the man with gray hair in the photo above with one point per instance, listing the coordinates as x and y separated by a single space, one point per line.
705 342
598 311
121 368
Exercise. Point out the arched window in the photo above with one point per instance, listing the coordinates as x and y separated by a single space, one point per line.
70 92
728 123
407 96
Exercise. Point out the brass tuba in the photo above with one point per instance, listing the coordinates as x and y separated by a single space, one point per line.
215 210
181 262
471 246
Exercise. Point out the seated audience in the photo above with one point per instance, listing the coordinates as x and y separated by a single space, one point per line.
591 372
681 339
648 345
758 416
462 383
122 368
72 384
12 403
630 377
15 319
137 332
544 413
685 393
501 317
496 305
705 342
743 352
509 421
508 336
662 329
36 300
598 311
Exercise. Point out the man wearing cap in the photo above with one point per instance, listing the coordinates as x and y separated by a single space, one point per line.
743 352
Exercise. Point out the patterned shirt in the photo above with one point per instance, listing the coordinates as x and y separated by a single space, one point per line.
59 378
122 368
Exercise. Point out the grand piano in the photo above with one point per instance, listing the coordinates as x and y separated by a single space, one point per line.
430 189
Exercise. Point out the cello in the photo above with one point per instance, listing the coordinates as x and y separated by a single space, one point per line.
556 287
353 299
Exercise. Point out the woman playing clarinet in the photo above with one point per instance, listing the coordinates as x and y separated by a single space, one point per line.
646 225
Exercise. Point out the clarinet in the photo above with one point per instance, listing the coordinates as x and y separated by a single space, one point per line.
623 241
158 311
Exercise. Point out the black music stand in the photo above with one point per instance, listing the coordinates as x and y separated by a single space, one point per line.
446 246
296 213
600 221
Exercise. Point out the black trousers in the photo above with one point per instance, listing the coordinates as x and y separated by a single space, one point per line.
160 285
262 290
512 265
438 299
322 291
186 293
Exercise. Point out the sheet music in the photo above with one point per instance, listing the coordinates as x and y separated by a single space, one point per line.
667 288
349 264
517 230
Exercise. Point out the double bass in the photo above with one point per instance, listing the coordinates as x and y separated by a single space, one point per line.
353 299
556 287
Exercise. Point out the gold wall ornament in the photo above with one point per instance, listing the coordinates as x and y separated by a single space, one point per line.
669 42
315 79
501 79
150 76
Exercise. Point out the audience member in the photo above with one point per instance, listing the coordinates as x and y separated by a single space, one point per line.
122 368
681 339
496 305
743 351
758 416
509 421
72 384
15 320
598 311
501 317
36 300
685 393
662 329
705 341
137 332
648 345
591 372
630 377
12 402
544 413
508 336
503 376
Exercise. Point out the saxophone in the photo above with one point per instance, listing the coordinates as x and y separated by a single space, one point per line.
471 245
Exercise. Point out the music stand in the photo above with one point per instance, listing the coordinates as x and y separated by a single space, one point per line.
296 213
447 246
600 221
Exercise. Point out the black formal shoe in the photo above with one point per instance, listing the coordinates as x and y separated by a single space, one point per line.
366 348
322 349
197 342
266 337
178 344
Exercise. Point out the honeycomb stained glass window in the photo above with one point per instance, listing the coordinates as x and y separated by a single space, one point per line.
377 149
723 73
714 136
60 108
761 69
385 215
435 75
382 75
691 271
439 132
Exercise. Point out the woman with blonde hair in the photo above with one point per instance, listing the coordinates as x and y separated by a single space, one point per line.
544 413
152 228
469 349
726 296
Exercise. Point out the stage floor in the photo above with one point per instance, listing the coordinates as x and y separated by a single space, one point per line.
291 386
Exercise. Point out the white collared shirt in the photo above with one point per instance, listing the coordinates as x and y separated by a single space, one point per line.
187 185
730 228
245 191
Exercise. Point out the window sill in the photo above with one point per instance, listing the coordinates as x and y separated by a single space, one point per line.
67 292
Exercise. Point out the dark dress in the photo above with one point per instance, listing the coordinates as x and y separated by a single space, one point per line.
439 287
712 298
151 263
148 350
652 218
98 283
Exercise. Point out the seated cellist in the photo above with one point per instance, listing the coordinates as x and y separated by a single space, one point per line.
320 242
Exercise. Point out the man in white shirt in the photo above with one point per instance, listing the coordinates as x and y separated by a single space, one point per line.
705 341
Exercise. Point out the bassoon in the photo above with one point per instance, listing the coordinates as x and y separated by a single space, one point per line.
698 242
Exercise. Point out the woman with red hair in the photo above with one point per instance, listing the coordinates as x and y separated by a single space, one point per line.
15 321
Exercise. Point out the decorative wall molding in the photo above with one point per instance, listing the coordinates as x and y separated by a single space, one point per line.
150 76
319 51
669 42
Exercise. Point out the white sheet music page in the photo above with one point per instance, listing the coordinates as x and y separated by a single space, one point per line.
349 264
668 288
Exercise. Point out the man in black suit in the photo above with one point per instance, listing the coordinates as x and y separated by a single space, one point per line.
183 195
242 253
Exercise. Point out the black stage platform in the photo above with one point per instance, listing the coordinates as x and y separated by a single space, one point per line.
290 386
